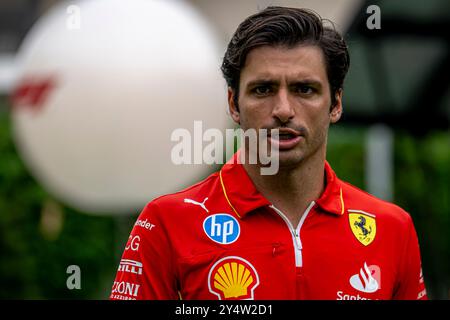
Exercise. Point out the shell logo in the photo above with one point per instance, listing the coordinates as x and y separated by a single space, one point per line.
233 278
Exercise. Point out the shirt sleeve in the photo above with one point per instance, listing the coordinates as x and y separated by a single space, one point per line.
146 270
411 285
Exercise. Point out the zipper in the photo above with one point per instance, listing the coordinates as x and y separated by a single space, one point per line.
295 232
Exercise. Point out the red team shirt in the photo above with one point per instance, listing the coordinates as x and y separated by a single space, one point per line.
222 239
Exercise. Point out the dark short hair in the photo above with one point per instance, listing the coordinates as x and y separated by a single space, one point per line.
282 26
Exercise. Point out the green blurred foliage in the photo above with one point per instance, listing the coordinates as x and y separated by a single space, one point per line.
345 153
33 266
422 188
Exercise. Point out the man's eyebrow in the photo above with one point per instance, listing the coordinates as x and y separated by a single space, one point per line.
269 82
259 82
311 82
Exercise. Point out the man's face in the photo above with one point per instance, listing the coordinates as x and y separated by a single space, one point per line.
287 89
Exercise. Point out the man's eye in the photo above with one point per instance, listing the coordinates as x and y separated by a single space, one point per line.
304 89
262 90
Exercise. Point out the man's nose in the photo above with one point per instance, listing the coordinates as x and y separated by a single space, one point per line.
283 108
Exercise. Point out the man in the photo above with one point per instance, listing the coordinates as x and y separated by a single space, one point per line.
301 233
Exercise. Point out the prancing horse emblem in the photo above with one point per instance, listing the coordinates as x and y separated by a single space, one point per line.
363 226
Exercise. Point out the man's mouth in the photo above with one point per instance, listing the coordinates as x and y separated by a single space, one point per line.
287 138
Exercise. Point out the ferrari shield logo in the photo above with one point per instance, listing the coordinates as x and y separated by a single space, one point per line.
363 226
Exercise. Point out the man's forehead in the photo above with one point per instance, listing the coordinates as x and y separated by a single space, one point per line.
300 62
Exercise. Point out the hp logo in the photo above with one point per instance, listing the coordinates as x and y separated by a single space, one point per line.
222 228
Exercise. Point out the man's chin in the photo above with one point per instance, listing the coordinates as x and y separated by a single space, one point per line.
289 159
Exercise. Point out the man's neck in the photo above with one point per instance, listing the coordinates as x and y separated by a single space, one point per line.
291 190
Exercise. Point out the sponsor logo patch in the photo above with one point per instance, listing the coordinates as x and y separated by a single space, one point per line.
130 266
124 290
144 224
368 279
363 226
222 228
233 278
133 243
201 204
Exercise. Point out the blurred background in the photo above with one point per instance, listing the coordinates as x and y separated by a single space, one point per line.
90 92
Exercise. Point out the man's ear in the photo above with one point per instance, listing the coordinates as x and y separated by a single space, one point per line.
336 109
232 107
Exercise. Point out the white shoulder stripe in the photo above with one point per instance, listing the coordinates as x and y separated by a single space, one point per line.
363 212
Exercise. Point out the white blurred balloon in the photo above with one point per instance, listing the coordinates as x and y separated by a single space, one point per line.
103 85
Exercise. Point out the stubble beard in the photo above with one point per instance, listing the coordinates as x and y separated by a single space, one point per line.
306 150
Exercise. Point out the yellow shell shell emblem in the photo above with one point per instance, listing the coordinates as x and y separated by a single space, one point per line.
233 278
363 225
